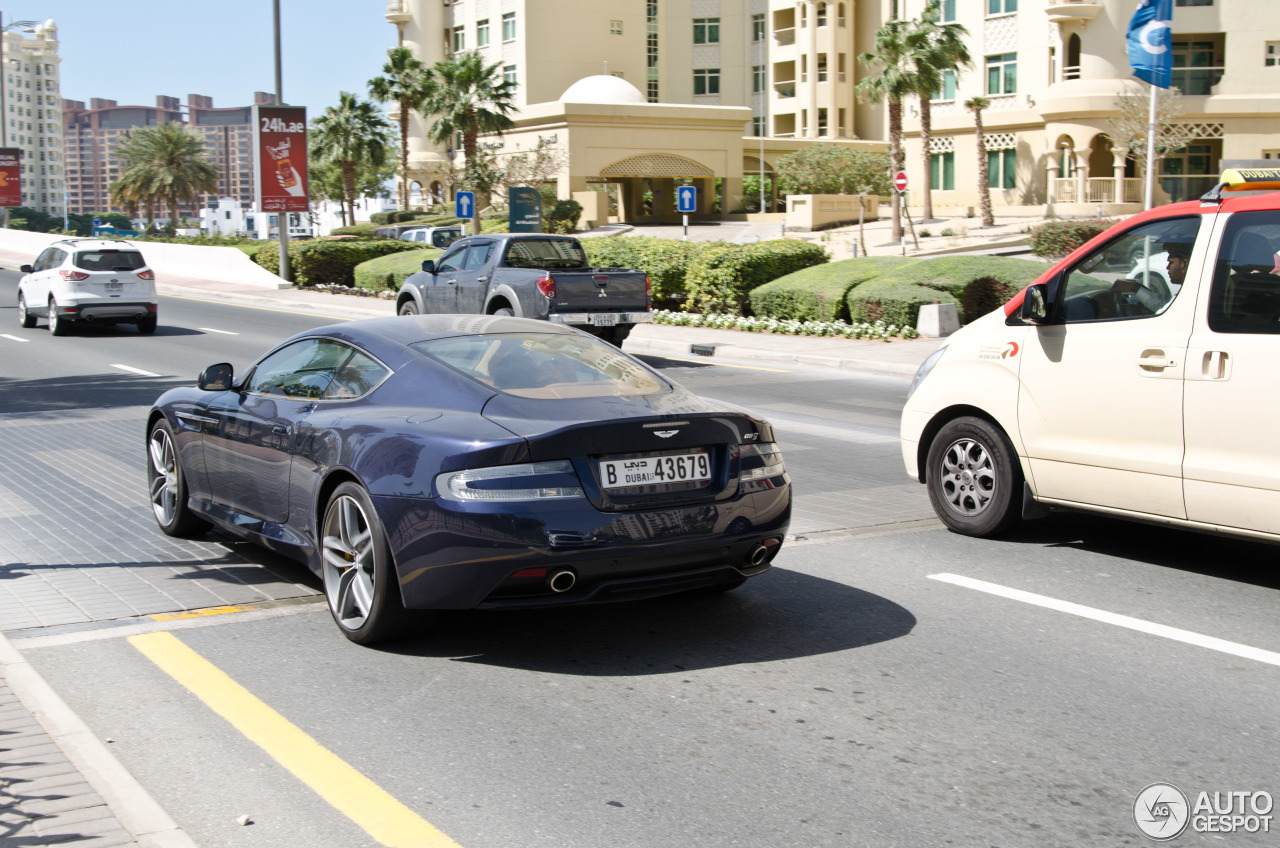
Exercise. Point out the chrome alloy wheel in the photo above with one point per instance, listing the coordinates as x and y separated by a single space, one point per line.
968 477
164 477
349 568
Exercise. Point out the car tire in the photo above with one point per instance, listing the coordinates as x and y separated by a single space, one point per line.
617 335
360 582
167 485
57 324
25 318
148 325
409 307
974 477
504 312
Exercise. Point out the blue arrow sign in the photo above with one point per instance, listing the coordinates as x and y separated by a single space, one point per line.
687 199
465 204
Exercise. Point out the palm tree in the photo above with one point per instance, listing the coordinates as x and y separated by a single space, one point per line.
895 43
166 163
354 131
129 193
406 82
469 99
976 105
940 48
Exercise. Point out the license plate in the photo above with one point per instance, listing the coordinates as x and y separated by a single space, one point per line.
114 287
655 470
604 319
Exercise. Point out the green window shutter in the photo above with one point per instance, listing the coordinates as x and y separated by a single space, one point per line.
1010 168
948 171
935 168
993 169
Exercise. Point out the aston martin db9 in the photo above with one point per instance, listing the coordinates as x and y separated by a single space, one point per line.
465 462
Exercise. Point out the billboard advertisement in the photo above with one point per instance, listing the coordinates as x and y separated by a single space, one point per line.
280 158
10 176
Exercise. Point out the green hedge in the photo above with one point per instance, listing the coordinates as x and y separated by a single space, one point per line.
1055 239
720 275
664 260
389 272
330 262
976 284
817 294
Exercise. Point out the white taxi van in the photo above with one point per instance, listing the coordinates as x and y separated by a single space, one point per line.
1139 376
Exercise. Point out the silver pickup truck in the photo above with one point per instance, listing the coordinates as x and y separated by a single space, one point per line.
530 275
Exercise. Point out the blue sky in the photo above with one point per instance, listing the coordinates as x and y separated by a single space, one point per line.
221 48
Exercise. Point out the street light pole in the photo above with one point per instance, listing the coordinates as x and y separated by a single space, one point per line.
283 228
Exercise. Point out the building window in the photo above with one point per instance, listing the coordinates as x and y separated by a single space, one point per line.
757 126
651 43
1002 168
840 14
509 26
1273 53
652 92
509 73
459 40
822 122
1002 73
757 27
840 127
706 81
942 171
822 67
1001 7
482 33
947 12
1195 70
822 14
1271 154
1193 3
948 89
757 78
706 30
615 27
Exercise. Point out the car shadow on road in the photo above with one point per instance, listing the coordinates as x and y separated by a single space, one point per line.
91 390
780 615
1236 559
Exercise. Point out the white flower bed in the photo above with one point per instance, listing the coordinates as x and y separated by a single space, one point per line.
878 330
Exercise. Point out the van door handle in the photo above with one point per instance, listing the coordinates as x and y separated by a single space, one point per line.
1215 365
1155 360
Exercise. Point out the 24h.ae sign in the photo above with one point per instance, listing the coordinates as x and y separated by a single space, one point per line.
10 176
280 158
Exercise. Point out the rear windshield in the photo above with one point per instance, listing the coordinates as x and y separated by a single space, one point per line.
109 260
545 365
545 253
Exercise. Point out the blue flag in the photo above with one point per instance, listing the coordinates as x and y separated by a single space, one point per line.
1150 39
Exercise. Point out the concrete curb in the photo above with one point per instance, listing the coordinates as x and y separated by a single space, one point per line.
132 805
773 357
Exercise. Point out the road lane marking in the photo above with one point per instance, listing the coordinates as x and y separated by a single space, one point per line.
212 330
709 361
348 791
1212 643
198 613
263 308
13 338
133 370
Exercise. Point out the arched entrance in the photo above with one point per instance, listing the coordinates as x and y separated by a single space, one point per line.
647 184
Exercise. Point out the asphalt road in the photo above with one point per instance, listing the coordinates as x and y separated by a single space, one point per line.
886 684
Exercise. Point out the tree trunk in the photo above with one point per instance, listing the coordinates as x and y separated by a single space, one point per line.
984 188
895 156
404 155
349 186
173 215
470 146
926 133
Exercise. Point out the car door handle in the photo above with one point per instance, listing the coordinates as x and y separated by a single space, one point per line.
454 280
1155 360
482 279
280 429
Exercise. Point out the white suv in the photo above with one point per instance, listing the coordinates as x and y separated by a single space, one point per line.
100 281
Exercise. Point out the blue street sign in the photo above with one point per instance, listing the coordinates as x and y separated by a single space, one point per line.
687 199
465 204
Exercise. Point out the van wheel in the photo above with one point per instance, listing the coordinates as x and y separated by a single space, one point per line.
973 477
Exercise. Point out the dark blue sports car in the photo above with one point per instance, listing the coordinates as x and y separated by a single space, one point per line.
460 462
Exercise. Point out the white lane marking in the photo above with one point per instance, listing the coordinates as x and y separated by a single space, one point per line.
13 338
1212 643
212 330
133 370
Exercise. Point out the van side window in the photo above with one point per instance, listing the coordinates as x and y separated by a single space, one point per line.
1138 274
1245 297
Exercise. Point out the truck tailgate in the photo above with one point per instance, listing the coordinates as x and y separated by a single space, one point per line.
600 290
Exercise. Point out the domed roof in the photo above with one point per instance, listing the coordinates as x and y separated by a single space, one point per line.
602 88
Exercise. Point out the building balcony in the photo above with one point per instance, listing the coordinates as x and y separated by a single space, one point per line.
785 88
1067 11
398 11
784 37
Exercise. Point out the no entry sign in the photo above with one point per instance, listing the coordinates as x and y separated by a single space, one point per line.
900 181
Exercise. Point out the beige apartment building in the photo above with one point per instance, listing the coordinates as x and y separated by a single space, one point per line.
32 114
787 69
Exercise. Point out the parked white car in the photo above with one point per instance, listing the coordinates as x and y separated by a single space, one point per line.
1106 388
97 281
440 237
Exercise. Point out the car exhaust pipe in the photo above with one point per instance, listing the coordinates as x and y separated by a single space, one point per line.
759 555
561 581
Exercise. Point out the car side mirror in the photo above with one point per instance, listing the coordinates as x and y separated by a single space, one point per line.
216 378
429 266
26 269
1035 305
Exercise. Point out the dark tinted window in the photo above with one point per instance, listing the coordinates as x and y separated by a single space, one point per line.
1245 297
545 253
109 260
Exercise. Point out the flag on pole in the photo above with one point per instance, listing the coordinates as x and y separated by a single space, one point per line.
1150 38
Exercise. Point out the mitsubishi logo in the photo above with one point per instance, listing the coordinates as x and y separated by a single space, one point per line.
665 434
603 293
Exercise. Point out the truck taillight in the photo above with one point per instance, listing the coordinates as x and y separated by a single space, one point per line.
547 286
146 275
73 276
648 287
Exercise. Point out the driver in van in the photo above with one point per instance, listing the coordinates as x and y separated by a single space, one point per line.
1177 248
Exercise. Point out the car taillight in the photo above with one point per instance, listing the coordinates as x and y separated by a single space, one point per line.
146 275
74 276
648 287
533 481
547 286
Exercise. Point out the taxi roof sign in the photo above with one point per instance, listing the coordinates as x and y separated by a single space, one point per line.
1244 179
